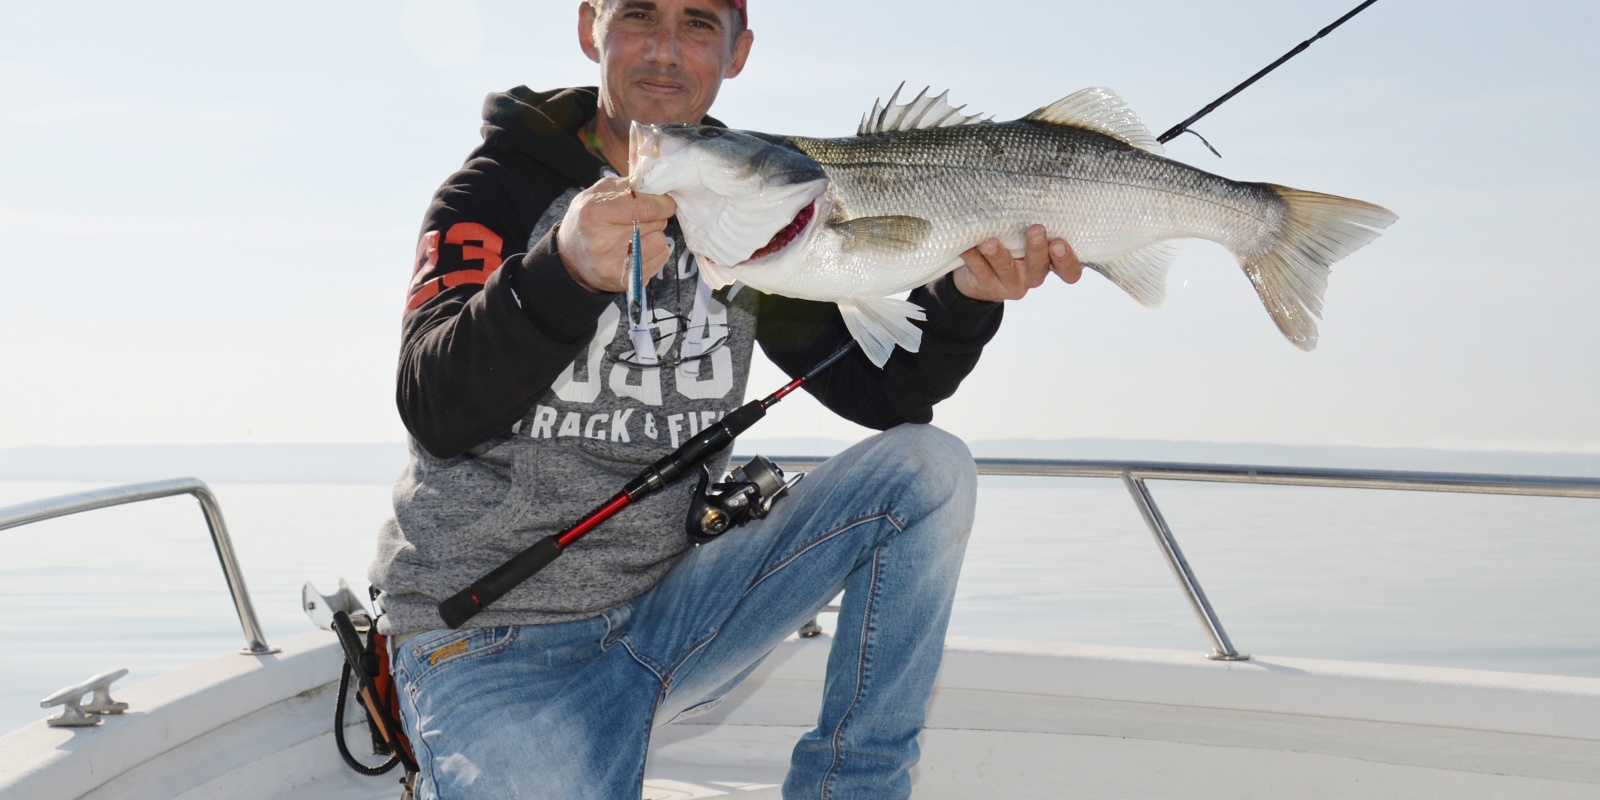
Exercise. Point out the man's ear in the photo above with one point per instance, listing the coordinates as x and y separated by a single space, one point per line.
741 51
586 21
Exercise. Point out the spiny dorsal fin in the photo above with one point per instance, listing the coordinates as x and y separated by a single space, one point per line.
923 112
1099 109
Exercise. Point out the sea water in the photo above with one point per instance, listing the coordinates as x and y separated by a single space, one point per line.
1472 581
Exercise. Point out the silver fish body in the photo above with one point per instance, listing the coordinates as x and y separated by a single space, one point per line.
903 199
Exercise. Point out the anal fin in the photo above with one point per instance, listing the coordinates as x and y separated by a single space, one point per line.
880 323
1142 273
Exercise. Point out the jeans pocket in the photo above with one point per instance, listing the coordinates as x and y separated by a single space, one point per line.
431 652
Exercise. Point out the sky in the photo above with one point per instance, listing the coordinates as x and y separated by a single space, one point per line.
209 209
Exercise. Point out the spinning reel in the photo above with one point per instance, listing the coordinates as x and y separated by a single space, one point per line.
750 491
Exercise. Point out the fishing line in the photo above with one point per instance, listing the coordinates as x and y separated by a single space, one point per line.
1182 127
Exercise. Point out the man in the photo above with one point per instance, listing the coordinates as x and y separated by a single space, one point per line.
528 403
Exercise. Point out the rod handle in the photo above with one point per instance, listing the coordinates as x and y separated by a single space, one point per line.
466 604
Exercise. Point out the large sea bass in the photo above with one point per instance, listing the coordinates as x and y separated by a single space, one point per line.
856 220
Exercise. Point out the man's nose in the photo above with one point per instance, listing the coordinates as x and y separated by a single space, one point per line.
663 46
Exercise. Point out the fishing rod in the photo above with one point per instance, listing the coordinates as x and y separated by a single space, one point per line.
466 604
1180 128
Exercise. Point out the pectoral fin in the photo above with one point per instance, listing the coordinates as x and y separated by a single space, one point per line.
882 235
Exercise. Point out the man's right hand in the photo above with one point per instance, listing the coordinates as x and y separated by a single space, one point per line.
595 233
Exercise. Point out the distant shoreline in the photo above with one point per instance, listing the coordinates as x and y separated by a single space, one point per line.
383 462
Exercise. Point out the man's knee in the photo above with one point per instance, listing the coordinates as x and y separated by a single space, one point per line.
925 462
933 453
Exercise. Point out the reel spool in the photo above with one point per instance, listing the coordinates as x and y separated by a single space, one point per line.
749 492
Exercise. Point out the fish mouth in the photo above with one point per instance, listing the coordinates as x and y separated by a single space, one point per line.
644 143
647 144
787 233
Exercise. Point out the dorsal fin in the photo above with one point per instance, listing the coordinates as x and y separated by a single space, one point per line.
1099 109
923 112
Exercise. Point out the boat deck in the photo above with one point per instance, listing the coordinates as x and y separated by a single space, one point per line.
1007 720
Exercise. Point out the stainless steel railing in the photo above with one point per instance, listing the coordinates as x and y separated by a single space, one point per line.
50 508
1133 475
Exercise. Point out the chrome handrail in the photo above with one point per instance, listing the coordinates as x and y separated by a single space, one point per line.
1133 475
64 505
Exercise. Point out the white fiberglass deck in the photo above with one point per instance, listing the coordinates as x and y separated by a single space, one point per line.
1007 720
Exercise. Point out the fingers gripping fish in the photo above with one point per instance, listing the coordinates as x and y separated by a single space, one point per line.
857 220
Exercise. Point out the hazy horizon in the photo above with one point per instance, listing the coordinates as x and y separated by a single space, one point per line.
845 442
382 462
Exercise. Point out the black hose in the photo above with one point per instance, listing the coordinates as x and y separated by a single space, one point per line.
338 732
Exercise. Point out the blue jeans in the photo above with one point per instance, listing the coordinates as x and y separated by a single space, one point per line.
564 711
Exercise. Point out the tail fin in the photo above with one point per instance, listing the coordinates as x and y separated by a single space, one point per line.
1290 270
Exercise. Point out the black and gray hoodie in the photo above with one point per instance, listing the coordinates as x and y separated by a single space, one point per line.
527 401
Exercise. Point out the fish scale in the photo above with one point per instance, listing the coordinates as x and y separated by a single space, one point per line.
897 204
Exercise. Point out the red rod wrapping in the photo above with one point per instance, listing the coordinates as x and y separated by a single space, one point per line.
784 392
588 523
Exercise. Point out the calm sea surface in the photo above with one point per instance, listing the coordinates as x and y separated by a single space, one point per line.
1500 583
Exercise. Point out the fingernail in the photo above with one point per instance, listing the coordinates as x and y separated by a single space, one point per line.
1058 250
988 248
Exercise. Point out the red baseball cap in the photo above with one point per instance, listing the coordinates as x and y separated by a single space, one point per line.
739 4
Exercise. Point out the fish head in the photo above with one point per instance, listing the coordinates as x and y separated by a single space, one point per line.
737 193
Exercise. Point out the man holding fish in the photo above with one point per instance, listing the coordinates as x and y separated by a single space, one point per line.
530 398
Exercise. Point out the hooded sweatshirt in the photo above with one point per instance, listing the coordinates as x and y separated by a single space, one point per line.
529 404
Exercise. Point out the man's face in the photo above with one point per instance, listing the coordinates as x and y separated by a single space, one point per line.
662 61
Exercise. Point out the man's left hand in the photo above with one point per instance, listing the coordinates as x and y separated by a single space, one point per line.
989 272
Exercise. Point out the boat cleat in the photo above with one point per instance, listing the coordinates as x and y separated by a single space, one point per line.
74 713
